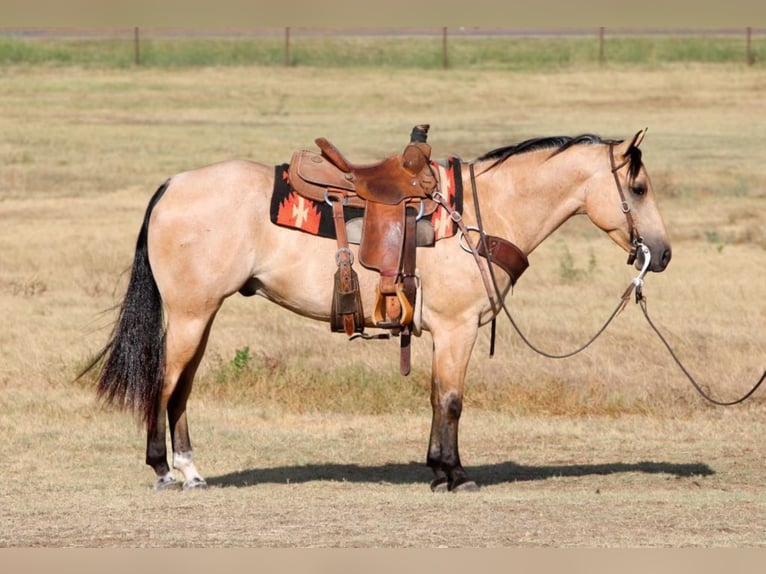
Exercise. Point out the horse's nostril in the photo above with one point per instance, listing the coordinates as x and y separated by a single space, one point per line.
666 257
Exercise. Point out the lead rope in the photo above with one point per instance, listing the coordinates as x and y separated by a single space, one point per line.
642 301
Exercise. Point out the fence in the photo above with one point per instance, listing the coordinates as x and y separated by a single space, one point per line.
412 47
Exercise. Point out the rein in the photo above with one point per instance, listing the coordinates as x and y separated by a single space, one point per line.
636 284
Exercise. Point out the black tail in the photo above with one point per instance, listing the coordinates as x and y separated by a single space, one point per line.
134 358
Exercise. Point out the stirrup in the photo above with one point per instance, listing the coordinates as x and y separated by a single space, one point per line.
406 310
379 314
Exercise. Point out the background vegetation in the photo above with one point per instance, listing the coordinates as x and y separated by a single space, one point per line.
423 49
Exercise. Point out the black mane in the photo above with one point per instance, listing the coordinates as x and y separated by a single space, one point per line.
557 143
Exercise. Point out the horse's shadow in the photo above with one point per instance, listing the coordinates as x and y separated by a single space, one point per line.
416 473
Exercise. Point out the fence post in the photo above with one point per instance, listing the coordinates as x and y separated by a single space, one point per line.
287 47
136 47
601 45
749 58
445 60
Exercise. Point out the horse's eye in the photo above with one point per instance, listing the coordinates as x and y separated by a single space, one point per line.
638 189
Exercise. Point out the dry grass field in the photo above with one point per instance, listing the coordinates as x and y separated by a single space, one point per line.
611 448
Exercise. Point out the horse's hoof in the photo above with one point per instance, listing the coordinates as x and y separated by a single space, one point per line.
167 482
195 483
440 485
467 486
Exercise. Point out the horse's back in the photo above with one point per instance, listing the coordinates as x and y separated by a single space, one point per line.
226 177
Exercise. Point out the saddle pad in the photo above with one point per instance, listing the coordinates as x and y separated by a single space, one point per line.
288 209
450 185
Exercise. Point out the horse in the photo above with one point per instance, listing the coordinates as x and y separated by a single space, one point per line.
206 235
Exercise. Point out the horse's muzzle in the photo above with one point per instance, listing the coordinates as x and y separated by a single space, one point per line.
660 257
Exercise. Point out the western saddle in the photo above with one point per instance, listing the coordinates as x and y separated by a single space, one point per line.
393 194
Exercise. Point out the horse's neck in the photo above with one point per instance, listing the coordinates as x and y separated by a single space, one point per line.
526 199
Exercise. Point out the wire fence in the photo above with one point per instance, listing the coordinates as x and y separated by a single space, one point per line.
404 47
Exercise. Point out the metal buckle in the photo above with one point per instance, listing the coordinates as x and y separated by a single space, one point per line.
340 252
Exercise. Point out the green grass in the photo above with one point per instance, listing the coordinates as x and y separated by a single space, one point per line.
702 49
277 381
426 52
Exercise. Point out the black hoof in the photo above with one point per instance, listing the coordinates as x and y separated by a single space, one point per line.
195 483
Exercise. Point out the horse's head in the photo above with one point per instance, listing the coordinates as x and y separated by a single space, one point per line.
621 201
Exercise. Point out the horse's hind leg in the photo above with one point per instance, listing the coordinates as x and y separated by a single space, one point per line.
157 454
186 339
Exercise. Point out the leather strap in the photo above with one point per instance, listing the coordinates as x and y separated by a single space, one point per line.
505 254
635 238
344 260
410 287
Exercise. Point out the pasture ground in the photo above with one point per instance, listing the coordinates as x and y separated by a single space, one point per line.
359 481
611 448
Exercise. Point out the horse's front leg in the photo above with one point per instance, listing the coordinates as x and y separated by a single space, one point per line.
452 350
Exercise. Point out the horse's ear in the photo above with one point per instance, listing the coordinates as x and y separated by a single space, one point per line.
633 154
638 138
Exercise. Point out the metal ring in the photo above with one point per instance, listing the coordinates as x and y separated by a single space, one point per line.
460 238
421 210
328 201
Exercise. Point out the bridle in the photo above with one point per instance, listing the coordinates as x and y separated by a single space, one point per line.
635 239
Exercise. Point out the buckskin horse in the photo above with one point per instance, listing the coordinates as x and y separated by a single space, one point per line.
207 235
